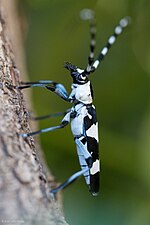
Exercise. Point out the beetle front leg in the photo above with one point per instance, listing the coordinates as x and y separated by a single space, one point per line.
57 88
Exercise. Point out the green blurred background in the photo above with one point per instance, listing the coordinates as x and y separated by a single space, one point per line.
121 85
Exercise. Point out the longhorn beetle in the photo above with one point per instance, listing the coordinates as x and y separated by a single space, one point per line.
82 114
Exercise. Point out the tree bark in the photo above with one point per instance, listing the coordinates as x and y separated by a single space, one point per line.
24 187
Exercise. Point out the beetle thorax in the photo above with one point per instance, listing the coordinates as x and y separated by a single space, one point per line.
81 93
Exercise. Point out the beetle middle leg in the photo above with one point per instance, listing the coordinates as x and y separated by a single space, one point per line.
51 115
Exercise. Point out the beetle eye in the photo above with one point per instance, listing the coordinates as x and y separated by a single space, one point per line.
83 77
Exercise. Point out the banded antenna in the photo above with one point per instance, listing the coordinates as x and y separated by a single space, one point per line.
88 14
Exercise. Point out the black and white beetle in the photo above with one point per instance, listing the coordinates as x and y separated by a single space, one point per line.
82 115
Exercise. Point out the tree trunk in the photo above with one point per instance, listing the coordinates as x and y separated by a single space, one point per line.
24 188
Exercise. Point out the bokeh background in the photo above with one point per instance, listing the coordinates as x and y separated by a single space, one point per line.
56 34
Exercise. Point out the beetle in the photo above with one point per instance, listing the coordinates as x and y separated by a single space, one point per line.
82 115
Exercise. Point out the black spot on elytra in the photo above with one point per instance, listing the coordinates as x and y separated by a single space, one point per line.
92 147
94 183
89 162
88 122
84 140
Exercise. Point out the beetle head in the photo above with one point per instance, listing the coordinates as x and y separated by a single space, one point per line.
78 75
